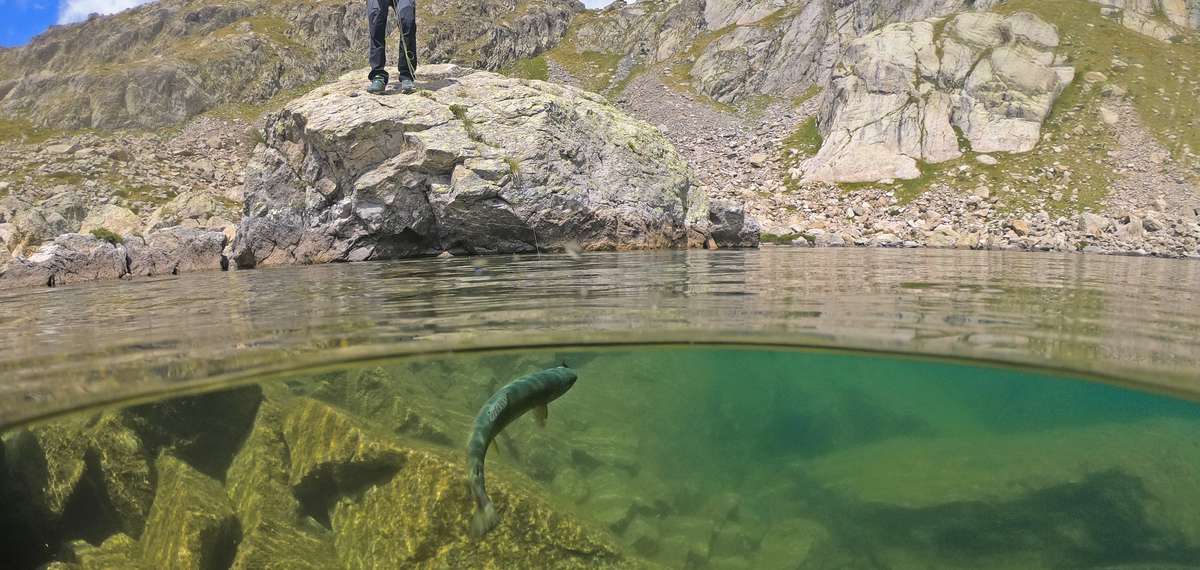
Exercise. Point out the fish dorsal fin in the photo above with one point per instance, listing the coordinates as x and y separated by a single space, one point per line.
541 413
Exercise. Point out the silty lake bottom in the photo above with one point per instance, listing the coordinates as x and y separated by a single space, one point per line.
700 456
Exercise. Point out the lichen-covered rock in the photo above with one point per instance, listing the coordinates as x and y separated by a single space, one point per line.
191 523
898 94
478 163
730 226
175 250
70 258
188 208
783 49
274 533
118 220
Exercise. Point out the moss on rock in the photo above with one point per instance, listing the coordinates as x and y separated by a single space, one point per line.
432 493
47 463
118 552
274 533
124 472
191 523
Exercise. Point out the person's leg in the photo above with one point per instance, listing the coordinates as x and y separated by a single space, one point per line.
407 10
377 17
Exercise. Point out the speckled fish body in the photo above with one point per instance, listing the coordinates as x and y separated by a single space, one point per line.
531 392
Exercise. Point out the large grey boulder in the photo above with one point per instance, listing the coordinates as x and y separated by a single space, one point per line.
176 250
899 93
113 218
730 226
70 258
477 163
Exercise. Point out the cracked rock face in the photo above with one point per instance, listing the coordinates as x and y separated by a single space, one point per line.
902 95
75 258
475 162
1163 20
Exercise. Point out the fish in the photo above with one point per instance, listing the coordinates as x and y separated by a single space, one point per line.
530 392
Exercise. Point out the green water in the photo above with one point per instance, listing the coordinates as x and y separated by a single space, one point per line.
674 457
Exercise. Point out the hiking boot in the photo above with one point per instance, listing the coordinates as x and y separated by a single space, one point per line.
378 85
406 86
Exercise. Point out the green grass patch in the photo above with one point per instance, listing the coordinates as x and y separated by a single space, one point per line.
530 68
616 90
593 69
514 166
21 131
107 235
802 144
460 113
808 94
1166 95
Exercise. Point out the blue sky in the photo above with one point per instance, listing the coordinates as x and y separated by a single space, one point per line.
23 19
20 20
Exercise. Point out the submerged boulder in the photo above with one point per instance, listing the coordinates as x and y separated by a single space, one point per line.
902 95
191 524
275 534
475 162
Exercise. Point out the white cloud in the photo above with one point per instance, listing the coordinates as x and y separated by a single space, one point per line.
601 3
70 11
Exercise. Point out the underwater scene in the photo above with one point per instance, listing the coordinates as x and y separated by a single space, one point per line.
701 456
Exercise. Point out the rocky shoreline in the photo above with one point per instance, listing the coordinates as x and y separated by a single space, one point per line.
653 161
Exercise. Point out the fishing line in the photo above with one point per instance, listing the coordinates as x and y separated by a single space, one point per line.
404 42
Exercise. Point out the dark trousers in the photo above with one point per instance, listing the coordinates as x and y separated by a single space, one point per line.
377 20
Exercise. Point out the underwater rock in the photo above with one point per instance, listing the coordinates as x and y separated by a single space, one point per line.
125 472
357 481
736 539
274 534
191 523
687 542
432 493
205 430
643 536
1077 491
375 394
117 552
332 454
46 464
478 162
788 544
570 484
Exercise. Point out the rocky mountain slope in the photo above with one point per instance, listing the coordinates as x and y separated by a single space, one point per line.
1022 124
167 61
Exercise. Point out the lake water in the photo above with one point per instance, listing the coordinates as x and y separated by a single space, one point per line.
780 408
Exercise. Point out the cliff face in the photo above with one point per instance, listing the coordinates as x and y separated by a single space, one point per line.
734 49
162 63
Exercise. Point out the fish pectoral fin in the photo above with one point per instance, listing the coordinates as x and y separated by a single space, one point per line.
541 413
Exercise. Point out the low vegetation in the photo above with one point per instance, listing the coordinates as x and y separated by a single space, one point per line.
105 234
532 68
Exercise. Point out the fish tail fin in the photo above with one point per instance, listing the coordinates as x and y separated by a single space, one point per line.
484 519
